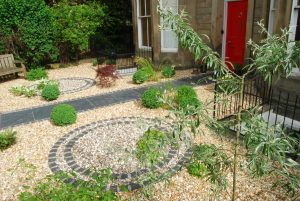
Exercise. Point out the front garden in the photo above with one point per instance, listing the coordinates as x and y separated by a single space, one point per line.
96 134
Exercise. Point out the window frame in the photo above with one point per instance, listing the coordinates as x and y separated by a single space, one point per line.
294 19
164 49
139 22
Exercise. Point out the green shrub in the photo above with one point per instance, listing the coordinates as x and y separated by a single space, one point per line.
187 96
151 147
50 92
197 169
168 71
145 71
44 82
23 91
210 162
151 98
63 114
26 28
140 77
37 74
7 138
53 188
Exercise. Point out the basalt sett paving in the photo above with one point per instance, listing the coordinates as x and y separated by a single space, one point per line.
111 144
25 116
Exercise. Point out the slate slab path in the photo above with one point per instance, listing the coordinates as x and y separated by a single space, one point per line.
29 115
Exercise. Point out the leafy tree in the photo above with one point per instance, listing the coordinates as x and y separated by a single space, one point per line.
26 30
74 24
264 64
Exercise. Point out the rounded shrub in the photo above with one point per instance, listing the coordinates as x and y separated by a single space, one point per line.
50 92
140 77
37 74
168 71
64 114
187 96
151 98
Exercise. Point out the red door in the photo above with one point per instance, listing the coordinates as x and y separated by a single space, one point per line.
236 31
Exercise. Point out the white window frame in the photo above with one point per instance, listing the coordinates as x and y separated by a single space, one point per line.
140 32
271 17
294 17
293 24
163 49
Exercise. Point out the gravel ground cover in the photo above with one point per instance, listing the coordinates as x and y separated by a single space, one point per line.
27 161
9 102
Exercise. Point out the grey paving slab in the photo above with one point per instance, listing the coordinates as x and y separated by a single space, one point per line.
16 118
42 112
102 100
81 104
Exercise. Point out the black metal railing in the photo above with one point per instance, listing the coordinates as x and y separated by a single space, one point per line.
275 105
125 60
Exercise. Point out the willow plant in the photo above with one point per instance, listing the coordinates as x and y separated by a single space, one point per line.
230 83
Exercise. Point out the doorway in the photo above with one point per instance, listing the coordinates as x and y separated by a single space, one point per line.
234 38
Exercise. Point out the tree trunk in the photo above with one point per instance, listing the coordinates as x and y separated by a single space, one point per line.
237 137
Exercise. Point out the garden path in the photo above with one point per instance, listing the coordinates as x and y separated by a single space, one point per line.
35 114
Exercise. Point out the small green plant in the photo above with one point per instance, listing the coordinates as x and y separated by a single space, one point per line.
210 162
37 74
152 98
197 169
43 82
187 96
7 138
50 92
145 71
64 114
140 77
23 91
151 147
53 188
168 71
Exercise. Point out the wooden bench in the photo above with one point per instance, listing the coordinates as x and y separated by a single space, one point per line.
8 65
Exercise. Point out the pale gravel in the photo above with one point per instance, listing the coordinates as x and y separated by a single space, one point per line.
9 102
34 142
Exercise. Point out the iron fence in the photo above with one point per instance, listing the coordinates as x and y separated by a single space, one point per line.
275 105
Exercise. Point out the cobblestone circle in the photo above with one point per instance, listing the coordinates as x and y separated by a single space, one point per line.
73 84
78 152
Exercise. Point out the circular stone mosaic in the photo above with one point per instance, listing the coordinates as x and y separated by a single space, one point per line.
111 144
73 84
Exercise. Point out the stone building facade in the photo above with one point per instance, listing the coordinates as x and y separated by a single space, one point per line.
206 17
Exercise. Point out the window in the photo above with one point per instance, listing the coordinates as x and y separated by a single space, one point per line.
144 23
169 40
295 22
271 16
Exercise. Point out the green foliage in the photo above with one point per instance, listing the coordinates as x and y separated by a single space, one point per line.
44 82
36 74
140 77
152 98
23 91
26 29
53 188
50 92
273 55
268 148
197 169
186 96
63 114
145 71
210 162
168 71
74 24
7 138
151 147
